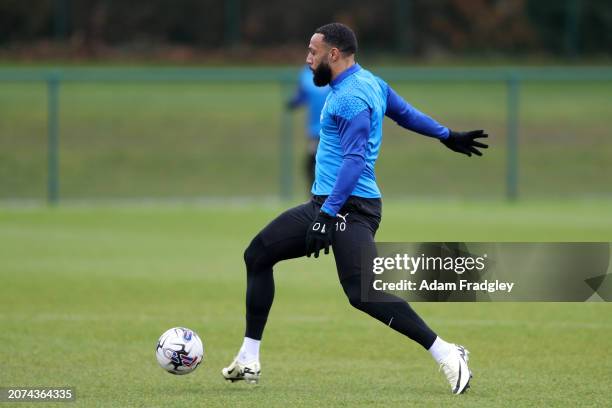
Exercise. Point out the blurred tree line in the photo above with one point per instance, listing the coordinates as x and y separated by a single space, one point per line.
412 27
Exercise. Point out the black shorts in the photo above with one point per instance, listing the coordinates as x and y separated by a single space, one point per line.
285 237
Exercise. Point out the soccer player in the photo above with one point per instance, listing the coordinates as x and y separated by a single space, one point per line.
345 209
307 93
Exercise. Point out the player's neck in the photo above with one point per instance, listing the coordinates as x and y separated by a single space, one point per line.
341 66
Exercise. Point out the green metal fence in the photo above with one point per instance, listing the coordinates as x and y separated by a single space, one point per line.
513 79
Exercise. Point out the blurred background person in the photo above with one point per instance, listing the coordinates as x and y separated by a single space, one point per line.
313 97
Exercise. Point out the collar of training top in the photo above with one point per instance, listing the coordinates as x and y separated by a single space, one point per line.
349 71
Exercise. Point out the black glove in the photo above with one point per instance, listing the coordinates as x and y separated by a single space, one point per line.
319 234
463 142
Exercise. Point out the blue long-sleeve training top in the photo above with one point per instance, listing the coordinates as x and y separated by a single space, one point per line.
351 134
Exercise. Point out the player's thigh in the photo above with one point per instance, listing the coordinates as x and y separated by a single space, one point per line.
285 236
350 242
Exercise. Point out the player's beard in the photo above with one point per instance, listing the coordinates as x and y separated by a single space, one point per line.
322 75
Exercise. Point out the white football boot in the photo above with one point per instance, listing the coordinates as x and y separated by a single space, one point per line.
238 371
456 369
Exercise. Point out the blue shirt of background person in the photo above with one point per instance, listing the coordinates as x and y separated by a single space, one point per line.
313 97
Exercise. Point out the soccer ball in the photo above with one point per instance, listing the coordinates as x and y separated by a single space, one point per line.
179 351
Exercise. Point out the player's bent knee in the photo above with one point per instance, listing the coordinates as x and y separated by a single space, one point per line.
352 289
255 254
356 302
251 253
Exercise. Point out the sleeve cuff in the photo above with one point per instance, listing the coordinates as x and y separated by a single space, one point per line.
446 134
328 211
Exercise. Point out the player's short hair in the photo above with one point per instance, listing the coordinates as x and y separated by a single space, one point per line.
340 36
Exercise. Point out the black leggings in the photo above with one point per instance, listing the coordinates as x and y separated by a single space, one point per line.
284 238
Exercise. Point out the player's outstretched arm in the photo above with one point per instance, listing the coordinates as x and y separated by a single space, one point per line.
465 142
411 118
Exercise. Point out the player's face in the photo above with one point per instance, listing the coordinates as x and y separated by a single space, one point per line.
318 60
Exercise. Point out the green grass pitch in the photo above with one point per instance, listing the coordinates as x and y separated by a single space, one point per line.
85 292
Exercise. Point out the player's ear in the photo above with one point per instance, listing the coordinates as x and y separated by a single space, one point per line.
334 54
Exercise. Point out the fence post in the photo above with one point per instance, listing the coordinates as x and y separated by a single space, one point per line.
286 143
512 137
53 83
